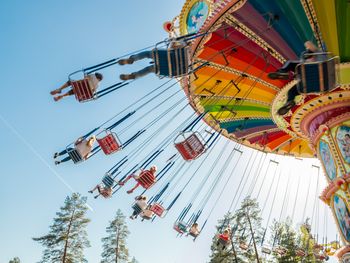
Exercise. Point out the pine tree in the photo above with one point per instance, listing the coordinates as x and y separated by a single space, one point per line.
114 245
247 229
285 236
307 242
133 260
67 238
15 260
245 221
218 254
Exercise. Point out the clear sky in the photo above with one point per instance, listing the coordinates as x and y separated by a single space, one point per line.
43 41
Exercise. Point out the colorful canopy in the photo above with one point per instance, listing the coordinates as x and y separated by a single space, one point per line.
245 41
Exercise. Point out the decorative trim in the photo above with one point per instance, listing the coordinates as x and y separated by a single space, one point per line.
185 10
333 187
331 123
309 7
311 108
342 251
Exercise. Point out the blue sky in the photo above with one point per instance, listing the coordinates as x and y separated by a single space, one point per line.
43 41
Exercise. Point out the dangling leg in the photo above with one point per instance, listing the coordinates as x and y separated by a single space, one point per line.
65 151
134 214
292 93
93 190
59 97
132 189
62 152
63 160
99 189
59 90
126 179
133 58
138 74
286 71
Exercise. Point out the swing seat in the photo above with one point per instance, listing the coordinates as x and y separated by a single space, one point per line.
223 240
108 181
318 246
321 257
172 62
137 209
317 77
75 155
243 246
266 250
280 251
190 147
110 143
194 234
147 214
146 179
300 253
180 227
157 209
83 89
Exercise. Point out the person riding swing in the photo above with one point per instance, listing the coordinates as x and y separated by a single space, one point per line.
103 190
286 72
93 80
82 146
170 62
149 173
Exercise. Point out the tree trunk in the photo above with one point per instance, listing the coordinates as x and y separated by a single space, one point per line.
233 246
251 230
66 243
234 251
117 248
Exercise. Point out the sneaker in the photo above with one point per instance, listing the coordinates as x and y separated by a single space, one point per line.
57 162
126 76
57 98
125 61
278 75
90 192
54 92
283 110
130 191
131 217
55 155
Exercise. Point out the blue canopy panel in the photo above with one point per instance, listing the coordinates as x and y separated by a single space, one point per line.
239 125
292 23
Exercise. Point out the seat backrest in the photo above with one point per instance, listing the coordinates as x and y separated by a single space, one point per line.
180 227
82 90
108 181
136 208
172 62
191 148
146 179
109 143
158 209
317 77
75 155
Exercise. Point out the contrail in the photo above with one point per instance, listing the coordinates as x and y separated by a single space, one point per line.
36 153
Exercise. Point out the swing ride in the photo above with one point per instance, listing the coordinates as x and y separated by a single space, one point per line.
231 59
